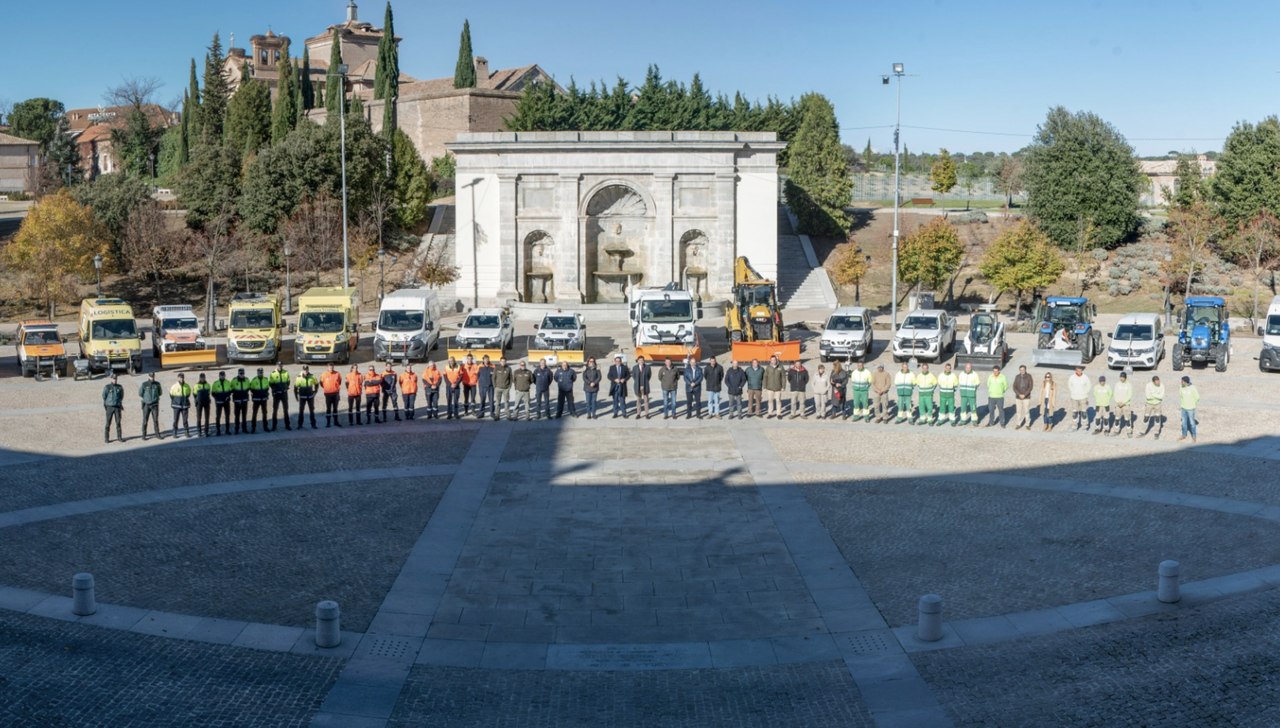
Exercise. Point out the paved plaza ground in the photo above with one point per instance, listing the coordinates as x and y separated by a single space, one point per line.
613 572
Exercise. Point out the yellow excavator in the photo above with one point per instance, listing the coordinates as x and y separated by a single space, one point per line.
754 321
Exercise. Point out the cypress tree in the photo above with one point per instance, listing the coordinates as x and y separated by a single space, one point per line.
184 143
285 114
308 90
213 102
464 74
248 125
193 96
334 91
386 84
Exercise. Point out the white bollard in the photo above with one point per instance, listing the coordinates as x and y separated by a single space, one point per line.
930 627
1167 591
328 630
83 602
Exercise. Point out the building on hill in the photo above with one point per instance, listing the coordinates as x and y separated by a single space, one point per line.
91 128
1162 178
19 162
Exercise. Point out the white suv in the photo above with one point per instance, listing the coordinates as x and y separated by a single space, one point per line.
847 335
485 328
927 333
561 331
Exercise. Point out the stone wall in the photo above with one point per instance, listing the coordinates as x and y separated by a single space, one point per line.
15 165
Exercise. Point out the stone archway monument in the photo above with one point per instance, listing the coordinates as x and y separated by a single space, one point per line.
574 218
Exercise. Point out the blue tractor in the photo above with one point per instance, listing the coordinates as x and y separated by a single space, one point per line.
1065 335
1204 334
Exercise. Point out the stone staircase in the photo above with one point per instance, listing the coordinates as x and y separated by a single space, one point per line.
799 284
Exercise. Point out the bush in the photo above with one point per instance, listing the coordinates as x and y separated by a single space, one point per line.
1236 281
1114 273
1100 254
1125 289
1136 282
1114 290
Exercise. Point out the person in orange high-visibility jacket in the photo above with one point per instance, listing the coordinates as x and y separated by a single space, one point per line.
453 383
431 379
470 374
331 385
372 393
408 390
354 384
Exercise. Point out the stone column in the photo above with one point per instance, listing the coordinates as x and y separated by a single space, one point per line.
663 240
508 243
569 287
723 243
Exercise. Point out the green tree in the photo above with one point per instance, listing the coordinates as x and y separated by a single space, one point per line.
1079 167
651 109
537 110
191 108
36 120
411 184
1245 181
112 198
970 174
212 113
305 83
1022 259
386 84
942 176
54 249
1257 245
819 188
334 91
464 73
137 143
287 172
868 156
249 117
930 255
209 186
1193 231
1188 183
169 158
184 131
61 156
284 117
1008 178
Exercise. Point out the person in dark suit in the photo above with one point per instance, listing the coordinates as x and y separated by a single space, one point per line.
641 375
619 375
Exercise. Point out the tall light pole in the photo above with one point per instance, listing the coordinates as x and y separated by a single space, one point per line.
288 300
97 270
897 191
342 150
382 271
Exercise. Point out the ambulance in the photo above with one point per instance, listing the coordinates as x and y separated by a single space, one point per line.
328 325
109 335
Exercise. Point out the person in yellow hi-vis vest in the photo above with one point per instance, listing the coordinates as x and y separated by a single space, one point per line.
969 383
1102 398
903 383
926 383
860 379
180 400
948 382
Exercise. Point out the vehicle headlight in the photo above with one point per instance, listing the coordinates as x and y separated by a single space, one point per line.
340 339
380 338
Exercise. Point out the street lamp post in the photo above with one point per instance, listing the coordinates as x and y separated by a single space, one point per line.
288 299
382 272
857 282
342 150
898 72
97 271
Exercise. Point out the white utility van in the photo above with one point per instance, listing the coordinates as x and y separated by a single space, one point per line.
1137 342
408 325
1269 357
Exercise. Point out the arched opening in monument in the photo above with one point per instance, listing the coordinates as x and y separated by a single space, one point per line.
539 267
617 223
693 263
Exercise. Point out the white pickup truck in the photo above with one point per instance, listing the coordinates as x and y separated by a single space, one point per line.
927 333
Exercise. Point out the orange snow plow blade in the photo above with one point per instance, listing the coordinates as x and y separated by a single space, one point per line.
745 351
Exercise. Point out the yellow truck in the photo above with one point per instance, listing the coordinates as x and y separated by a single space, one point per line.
40 349
109 336
328 325
254 326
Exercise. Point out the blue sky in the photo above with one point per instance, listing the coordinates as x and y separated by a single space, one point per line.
1169 75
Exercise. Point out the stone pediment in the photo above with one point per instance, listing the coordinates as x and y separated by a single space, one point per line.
617 201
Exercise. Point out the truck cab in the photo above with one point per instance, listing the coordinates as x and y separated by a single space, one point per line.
1269 357
663 323
254 327
109 336
407 325
175 328
927 333
328 325
40 349
847 335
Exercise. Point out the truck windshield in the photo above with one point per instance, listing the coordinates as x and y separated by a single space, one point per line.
114 329
1066 315
1273 326
559 322
400 320
844 323
481 322
40 337
252 318
320 322
179 324
1203 314
666 312
920 322
1134 332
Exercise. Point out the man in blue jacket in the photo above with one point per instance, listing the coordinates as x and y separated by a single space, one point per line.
542 390
565 377
693 377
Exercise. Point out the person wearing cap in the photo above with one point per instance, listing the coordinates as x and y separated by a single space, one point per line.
1102 399
926 383
997 385
1188 399
259 388
881 385
1122 396
948 382
390 396
372 393
304 388
904 383
1023 387
693 379
331 385
202 398
591 378
735 382
1153 415
713 380
149 394
180 400
113 404
484 389
222 390
521 382
618 375
641 382
969 381
240 400
431 380
502 389
409 390
1078 386
279 381
1048 401
355 384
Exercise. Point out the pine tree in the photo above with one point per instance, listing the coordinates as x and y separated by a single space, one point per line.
213 101
386 83
942 176
305 83
334 91
192 109
867 154
464 74
248 125
184 144
819 187
285 115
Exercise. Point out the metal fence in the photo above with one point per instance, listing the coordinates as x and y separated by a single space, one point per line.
879 186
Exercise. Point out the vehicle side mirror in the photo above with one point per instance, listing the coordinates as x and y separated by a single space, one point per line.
279 325
1111 336
293 329
63 339
142 336
220 325
1260 332
430 326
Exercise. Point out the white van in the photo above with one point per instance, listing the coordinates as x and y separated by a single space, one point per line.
1137 342
408 325
1269 358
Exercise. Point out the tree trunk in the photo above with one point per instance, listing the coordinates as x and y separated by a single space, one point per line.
1017 305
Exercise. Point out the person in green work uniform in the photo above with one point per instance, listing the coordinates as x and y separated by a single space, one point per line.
278 381
926 383
113 403
997 385
259 388
969 383
149 393
1102 398
1188 399
860 379
203 396
221 389
948 382
903 382
304 388
180 401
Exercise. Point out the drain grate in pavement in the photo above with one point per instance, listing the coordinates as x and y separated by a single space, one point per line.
389 647
864 644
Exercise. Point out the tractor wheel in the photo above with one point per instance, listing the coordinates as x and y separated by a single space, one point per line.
1176 360
1045 341
1223 359
1086 350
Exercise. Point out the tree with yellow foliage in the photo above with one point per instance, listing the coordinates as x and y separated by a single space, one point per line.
54 249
